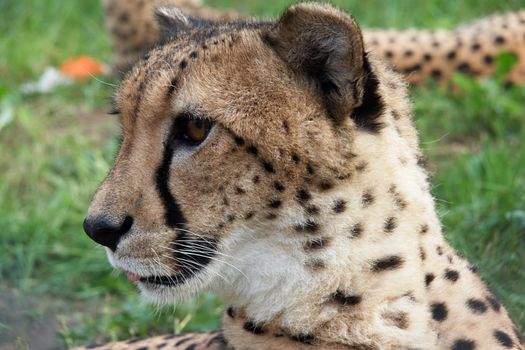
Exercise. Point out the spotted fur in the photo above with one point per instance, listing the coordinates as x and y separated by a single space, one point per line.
418 54
305 207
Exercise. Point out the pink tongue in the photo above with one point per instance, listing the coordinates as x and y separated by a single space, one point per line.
133 277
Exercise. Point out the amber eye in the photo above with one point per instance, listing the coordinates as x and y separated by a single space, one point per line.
197 130
192 130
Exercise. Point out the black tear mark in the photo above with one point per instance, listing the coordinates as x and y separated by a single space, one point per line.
173 214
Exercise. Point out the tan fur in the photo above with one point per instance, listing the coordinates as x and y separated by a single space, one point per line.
470 49
417 54
324 225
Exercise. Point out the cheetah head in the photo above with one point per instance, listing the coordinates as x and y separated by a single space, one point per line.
229 132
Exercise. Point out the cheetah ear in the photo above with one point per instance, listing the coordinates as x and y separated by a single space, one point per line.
326 44
171 22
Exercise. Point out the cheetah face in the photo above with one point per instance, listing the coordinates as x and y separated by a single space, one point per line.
222 128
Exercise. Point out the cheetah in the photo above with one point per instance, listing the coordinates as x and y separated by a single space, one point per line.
419 55
276 164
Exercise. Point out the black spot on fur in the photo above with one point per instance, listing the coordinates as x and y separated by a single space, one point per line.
239 190
387 263
143 348
303 338
451 55
343 299
356 230
361 166
303 195
422 254
389 54
488 59
316 243
309 169
191 347
218 339
339 206
239 140
278 186
427 57
439 311
267 167
429 277
313 210
494 303
253 328
439 250
436 74
409 53
499 40
194 55
168 337
464 344
476 306
423 229
464 68
390 224
252 150
451 275
296 158
503 338
367 199
325 185
256 179
230 312
309 227
476 47
183 64
161 345
182 341
275 203
249 215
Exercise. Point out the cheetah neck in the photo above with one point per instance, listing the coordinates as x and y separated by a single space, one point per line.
316 273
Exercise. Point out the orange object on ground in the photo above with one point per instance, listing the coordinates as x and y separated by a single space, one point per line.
82 68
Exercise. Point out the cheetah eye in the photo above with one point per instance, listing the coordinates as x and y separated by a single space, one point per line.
192 130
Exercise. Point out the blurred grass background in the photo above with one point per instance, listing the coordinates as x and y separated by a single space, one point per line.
56 288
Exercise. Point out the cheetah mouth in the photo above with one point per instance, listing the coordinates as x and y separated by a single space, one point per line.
167 280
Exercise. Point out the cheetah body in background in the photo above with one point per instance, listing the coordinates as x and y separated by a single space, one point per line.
417 54
277 165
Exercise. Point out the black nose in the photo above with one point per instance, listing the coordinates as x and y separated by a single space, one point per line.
106 232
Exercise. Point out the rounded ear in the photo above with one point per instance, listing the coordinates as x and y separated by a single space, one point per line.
171 21
326 45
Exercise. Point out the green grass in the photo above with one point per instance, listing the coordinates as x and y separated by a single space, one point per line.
57 147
